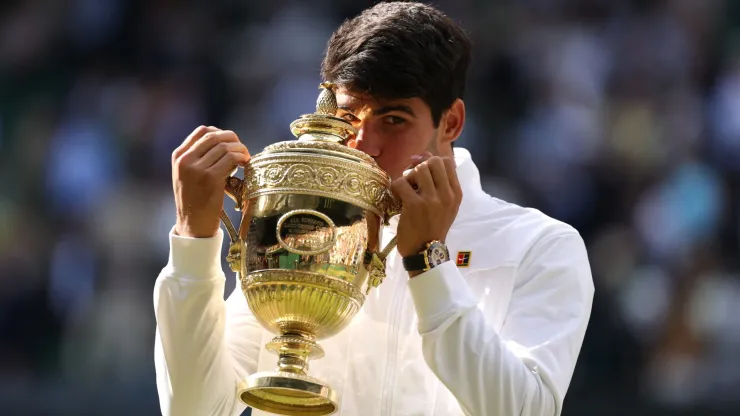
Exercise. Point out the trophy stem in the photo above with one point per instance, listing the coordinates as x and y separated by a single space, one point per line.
294 351
289 390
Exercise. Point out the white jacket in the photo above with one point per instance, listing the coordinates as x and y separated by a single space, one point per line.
500 337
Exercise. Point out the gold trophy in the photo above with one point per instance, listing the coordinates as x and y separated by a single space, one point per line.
307 250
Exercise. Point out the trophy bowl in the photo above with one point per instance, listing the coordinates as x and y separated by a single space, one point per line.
307 251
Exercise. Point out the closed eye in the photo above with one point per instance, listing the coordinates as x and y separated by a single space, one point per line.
350 117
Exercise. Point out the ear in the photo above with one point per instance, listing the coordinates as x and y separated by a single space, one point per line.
451 124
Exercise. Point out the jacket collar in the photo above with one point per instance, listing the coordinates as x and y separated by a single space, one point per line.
469 177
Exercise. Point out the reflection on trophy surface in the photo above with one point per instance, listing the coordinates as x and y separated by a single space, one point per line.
307 250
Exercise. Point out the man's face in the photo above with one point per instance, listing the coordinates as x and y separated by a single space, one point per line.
390 131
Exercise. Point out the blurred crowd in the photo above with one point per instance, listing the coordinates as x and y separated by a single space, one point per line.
620 117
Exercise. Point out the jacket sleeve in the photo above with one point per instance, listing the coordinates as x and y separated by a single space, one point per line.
524 369
203 345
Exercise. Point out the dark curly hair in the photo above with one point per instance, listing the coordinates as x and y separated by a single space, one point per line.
399 50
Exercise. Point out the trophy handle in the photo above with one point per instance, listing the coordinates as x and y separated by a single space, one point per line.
233 189
377 264
376 260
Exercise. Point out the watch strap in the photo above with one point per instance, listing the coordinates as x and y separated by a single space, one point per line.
415 262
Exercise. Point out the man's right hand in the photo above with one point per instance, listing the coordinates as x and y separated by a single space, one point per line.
200 167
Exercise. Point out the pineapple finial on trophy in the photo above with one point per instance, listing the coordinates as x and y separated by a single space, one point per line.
326 104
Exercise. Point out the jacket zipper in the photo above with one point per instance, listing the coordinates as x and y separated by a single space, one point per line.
390 366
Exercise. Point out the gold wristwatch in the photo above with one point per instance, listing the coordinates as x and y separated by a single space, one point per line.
434 254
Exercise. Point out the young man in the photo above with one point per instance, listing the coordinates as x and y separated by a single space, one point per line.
496 329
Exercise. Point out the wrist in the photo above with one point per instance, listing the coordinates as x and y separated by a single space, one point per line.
184 229
418 247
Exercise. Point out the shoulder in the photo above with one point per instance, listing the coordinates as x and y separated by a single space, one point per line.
509 234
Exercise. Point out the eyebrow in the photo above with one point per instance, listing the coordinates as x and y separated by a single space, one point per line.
385 110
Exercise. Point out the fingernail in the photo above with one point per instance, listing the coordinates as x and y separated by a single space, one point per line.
416 158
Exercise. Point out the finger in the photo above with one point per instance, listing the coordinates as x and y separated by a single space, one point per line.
226 164
422 178
192 139
418 159
209 141
451 168
415 161
439 173
403 190
217 152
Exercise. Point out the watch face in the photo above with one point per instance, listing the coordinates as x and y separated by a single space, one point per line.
437 254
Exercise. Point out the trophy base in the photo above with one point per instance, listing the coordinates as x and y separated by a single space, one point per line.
285 393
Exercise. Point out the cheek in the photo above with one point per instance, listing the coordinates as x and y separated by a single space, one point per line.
396 157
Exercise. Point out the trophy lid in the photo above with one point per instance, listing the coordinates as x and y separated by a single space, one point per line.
322 131
320 163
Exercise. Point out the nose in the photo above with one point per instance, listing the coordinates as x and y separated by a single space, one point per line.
367 142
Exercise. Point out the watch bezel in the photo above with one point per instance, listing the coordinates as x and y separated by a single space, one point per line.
427 253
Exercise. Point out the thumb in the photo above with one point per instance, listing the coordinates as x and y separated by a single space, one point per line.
403 191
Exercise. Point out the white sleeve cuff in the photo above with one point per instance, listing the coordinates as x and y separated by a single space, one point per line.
195 258
440 296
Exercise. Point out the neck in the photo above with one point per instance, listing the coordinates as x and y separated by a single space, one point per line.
445 151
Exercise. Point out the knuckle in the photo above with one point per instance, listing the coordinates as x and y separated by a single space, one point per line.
409 177
231 135
422 167
457 197
181 163
231 157
223 146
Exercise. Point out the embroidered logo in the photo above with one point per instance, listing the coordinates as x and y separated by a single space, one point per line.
463 258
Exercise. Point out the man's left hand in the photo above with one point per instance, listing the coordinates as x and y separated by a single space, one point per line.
431 195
